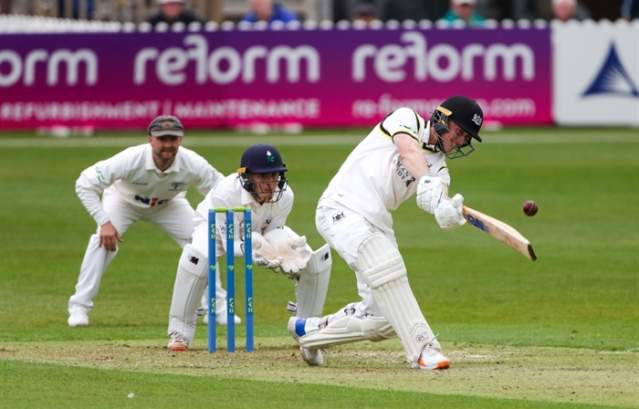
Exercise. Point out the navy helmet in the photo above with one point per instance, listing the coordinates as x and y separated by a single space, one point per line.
466 113
260 159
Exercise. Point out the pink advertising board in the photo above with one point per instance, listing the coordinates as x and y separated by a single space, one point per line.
316 78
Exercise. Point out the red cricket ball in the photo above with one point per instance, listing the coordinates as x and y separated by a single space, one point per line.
530 208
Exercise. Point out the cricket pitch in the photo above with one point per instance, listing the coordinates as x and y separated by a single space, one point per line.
548 374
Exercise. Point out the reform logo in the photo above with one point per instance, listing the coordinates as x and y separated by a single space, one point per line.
612 78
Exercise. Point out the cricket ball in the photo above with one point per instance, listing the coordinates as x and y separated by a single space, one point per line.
530 208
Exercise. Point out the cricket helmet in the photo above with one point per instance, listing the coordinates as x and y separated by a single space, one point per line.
261 159
466 113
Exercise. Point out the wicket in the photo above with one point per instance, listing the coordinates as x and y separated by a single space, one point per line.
230 277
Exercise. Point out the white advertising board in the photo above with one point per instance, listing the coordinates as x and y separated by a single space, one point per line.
596 73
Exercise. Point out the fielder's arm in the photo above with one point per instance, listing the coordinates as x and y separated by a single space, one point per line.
500 231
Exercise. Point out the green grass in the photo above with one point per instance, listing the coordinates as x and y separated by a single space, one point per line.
583 292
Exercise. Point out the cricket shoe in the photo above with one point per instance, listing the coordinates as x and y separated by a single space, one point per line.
177 343
78 318
431 358
313 356
298 327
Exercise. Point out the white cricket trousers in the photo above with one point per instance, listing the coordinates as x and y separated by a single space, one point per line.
175 217
345 230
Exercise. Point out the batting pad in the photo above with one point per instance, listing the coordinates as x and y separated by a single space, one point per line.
344 327
190 280
383 269
312 284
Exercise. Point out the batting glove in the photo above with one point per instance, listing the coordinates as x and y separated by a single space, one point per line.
430 191
449 212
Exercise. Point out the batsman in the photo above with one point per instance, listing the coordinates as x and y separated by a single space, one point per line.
404 154
262 185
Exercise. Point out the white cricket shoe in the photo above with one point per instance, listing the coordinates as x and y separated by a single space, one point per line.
78 318
313 356
297 329
177 343
431 358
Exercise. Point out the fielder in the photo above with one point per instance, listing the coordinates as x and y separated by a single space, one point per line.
144 182
261 184
402 155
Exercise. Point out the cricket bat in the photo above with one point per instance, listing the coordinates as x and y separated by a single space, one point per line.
500 231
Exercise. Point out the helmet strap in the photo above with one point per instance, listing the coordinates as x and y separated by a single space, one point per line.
440 130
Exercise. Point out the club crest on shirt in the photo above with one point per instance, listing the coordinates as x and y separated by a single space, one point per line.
100 175
338 216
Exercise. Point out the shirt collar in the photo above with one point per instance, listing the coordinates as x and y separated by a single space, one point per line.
426 137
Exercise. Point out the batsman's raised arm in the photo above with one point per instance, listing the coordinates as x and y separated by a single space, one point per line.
411 155
404 126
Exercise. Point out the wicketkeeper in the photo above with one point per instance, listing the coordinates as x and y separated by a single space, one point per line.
144 182
260 184
402 155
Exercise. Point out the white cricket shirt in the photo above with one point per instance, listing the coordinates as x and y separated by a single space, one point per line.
372 181
133 174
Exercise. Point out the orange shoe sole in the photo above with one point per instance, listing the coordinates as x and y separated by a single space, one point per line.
445 364
178 348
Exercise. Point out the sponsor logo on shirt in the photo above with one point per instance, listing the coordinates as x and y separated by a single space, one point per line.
151 201
403 173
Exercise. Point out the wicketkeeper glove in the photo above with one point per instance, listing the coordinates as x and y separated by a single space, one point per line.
294 255
264 254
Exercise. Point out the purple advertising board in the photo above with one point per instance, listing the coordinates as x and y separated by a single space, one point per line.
315 78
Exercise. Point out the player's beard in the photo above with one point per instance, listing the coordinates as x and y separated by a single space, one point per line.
168 153
165 157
